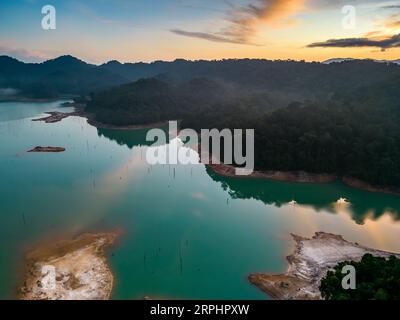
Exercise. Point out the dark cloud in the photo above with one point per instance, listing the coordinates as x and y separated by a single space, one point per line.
383 43
205 36
391 7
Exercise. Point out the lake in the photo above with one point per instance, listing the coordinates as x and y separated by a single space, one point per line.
185 231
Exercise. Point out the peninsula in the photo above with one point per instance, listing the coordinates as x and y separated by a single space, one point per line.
309 264
69 270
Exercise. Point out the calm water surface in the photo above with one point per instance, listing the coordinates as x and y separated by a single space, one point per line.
186 232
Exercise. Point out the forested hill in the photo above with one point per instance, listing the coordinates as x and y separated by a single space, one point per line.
64 75
339 118
69 75
153 100
261 85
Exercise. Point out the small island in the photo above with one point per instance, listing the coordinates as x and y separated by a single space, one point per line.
309 264
55 116
47 149
69 270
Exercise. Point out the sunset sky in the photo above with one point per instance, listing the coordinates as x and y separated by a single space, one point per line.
99 30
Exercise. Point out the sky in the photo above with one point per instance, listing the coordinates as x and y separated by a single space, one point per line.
130 31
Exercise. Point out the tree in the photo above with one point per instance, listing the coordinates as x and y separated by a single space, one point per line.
377 279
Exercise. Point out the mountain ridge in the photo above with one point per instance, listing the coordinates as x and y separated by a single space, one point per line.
340 60
70 75
177 60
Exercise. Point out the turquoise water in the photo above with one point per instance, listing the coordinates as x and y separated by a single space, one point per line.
185 232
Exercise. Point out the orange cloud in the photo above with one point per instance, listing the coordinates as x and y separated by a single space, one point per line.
393 22
245 20
270 11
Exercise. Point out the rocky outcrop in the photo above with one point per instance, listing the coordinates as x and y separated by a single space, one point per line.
309 264
47 149
69 270
55 117
295 176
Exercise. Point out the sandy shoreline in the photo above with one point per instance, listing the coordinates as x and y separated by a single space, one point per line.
308 265
69 270
80 112
55 116
300 177
100 125
228 170
358 184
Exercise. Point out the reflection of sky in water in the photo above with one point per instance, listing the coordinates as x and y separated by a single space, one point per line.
382 232
223 228
328 197
18 111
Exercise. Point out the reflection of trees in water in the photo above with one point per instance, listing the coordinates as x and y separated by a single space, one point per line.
129 138
363 204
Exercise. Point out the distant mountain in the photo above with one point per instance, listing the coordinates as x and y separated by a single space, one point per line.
66 62
173 90
389 61
9 65
339 60
341 118
63 75
69 75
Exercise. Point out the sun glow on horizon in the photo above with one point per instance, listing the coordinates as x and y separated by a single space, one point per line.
135 32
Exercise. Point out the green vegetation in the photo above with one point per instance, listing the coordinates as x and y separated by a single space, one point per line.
64 75
377 279
344 122
341 118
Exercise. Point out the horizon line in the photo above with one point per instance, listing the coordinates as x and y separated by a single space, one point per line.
195 60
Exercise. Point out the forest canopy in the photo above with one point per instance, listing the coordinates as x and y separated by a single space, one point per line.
341 119
376 279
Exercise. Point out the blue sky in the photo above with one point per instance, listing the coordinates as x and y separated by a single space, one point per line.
101 30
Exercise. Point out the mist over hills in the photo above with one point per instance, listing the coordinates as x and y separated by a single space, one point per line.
341 117
64 75
69 75
339 60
